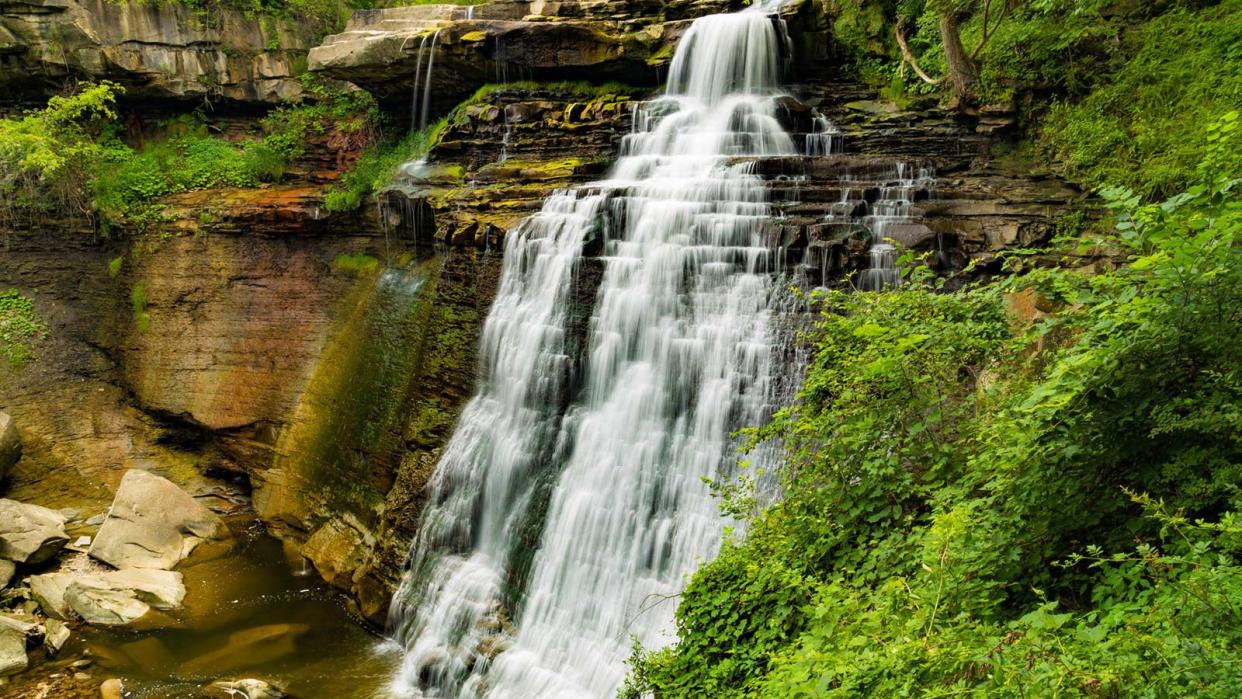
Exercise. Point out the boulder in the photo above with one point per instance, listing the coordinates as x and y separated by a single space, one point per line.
12 650
153 524
248 688
116 598
14 631
56 635
111 689
7 569
30 534
10 444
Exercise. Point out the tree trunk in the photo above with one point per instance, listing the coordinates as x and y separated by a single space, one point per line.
963 73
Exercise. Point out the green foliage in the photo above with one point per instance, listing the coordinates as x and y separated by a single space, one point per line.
378 165
1111 92
20 327
984 501
47 155
1136 127
71 155
138 303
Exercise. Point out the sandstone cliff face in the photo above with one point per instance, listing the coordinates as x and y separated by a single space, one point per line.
156 50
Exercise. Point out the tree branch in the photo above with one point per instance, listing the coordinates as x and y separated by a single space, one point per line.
909 57
988 32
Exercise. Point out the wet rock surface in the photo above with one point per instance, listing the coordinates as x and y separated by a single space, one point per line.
154 524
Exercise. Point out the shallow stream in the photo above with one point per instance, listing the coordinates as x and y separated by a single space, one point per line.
251 614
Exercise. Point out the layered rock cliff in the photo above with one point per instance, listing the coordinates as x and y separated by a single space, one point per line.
155 50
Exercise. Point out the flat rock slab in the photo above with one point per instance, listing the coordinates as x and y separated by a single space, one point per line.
30 534
116 598
154 524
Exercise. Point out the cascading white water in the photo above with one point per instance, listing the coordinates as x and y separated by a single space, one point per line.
598 461
824 139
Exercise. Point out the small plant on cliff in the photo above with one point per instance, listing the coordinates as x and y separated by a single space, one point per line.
20 328
48 156
378 166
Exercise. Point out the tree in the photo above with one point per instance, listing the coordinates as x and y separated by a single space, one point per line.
962 65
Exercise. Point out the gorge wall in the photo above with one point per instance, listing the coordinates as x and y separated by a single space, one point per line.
259 350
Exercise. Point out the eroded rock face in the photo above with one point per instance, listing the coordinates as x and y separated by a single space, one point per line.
160 50
154 524
30 534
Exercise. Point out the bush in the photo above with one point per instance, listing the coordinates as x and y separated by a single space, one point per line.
979 503
20 328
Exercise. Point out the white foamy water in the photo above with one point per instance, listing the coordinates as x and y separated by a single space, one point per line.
570 504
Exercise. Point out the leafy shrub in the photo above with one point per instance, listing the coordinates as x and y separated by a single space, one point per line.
378 165
985 503
20 327
47 155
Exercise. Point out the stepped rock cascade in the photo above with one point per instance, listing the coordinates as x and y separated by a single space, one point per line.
570 503
883 215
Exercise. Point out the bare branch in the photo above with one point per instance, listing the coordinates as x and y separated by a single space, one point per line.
989 31
909 57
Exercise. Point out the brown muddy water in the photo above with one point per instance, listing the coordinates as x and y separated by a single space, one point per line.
253 613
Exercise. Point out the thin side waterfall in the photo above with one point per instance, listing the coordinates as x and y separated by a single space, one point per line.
431 60
420 103
570 503
418 72
895 205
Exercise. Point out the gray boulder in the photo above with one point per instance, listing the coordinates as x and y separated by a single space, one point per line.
154 524
13 634
10 444
12 650
30 534
248 688
116 598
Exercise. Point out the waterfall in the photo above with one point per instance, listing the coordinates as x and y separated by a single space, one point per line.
825 139
431 60
570 503
418 72
420 104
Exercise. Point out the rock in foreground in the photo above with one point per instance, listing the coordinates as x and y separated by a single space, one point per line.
154 524
117 598
30 534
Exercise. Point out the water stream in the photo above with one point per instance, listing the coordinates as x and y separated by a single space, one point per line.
570 504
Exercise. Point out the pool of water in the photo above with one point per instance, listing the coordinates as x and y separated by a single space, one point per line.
252 613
